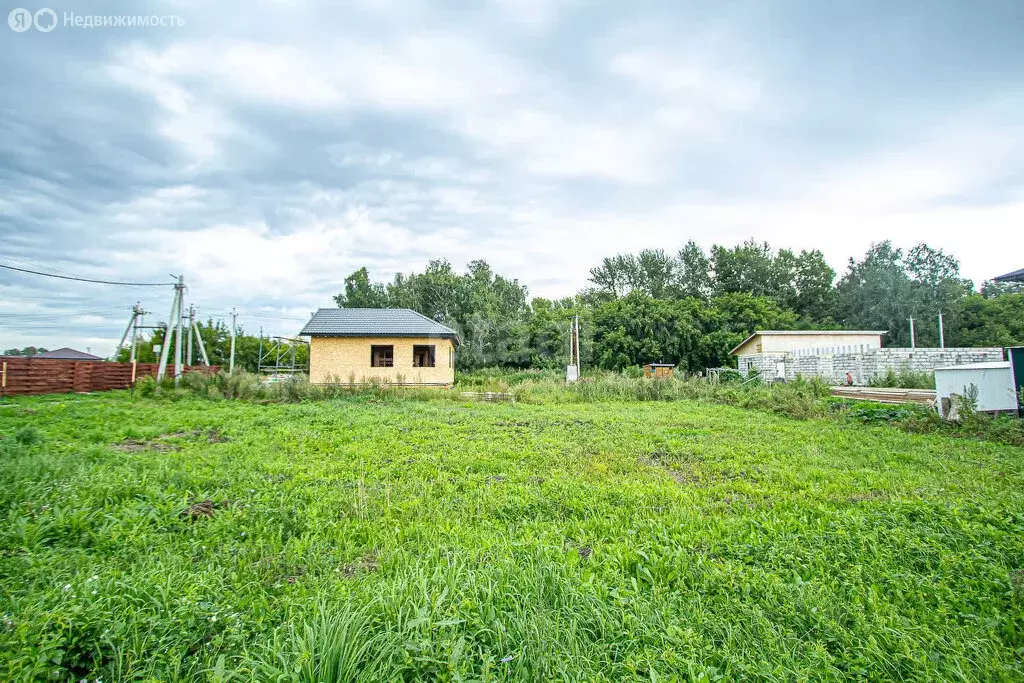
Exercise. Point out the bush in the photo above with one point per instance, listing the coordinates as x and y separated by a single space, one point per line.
904 379
146 387
27 435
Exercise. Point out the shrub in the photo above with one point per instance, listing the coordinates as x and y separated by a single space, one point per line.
904 379
27 435
146 387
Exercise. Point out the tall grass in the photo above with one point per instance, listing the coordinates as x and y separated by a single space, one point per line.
801 398
246 386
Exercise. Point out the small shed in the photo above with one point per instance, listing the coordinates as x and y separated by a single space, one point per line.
993 382
659 369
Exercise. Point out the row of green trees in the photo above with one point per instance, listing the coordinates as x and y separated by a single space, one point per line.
692 306
27 351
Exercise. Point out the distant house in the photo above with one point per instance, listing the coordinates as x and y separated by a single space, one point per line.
781 341
387 345
1015 276
67 354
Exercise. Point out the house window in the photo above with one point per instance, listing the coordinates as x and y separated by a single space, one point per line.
422 356
382 356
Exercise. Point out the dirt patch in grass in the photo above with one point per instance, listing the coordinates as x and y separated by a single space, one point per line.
1017 583
211 435
204 508
684 477
138 445
364 565
162 443
863 496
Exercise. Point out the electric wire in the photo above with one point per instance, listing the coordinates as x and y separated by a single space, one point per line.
84 279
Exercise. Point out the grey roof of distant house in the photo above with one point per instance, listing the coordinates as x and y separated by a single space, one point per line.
67 354
1015 276
375 322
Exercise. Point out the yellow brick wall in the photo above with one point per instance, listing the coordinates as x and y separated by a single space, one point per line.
347 359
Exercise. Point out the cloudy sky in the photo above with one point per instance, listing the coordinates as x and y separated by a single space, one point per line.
267 149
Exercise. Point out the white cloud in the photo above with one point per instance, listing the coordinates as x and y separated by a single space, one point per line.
684 80
519 131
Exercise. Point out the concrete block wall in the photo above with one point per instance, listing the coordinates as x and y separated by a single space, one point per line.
863 363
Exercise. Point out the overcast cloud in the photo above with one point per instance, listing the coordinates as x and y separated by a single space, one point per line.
267 149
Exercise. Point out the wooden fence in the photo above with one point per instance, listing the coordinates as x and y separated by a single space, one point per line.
22 376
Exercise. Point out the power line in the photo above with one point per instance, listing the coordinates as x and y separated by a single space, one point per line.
83 279
36 265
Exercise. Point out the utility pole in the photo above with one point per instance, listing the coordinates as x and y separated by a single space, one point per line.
912 344
199 343
191 332
177 340
942 334
572 372
234 322
133 329
174 319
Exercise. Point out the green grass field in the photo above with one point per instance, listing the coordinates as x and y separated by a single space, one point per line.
397 539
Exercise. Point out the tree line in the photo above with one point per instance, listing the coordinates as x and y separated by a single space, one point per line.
693 306
690 307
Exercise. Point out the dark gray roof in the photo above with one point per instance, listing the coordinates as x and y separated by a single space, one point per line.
67 354
375 322
1015 276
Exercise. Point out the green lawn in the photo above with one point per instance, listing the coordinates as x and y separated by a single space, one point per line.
408 539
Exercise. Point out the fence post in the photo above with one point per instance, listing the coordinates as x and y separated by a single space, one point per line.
3 381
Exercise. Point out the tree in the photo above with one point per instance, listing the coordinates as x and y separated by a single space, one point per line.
731 318
693 274
361 293
655 273
545 338
638 329
616 275
26 351
987 321
876 293
991 288
813 281
753 268
937 287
